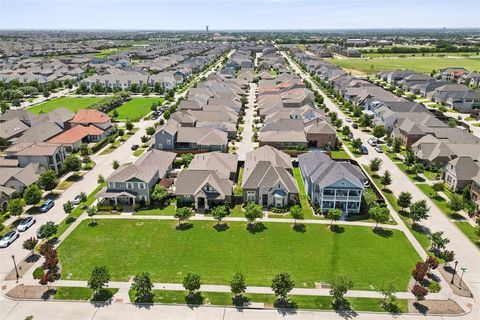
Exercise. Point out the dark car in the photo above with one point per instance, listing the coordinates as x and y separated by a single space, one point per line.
135 147
363 149
355 126
47 205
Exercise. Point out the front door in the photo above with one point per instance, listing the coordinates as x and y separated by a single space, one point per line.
201 203
265 200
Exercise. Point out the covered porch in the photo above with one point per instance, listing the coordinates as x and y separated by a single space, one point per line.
117 197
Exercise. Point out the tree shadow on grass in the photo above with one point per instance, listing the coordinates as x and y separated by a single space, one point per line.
194 300
92 224
385 233
239 301
300 227
184 226
456 216
102 295
337 229
421 229
220 227
286 306
256 228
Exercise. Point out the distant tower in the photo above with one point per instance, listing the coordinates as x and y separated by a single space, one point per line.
206 28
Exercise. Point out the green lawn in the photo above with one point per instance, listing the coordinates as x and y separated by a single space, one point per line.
138 152
307 210
303 302
77 293
136 108
425 65
72 104
316 255
419 55
339 154
163 211
469 231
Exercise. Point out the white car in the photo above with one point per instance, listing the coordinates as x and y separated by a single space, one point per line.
372 142
9 238
348 120
77 200
378 149
26 223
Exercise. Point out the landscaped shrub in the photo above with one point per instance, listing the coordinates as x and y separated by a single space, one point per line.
279 210
434 286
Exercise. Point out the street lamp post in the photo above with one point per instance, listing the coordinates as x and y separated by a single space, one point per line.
463 272
454 271
16 270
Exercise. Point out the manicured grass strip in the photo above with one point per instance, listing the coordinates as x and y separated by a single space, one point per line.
72 104
77 293
237 211
138 152
168 254
168 210
469 231
136 108
302 302
340 154
441 203
421 237
77 212
307 210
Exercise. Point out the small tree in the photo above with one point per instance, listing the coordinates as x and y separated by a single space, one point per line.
339 287
68 206
47 230
448 256
129 125
419 211
115 164
335 215
48 277
409 158
404 199
48 180
388 291
282 284
15 206
456 203
51 260
159 194
237 285
72 163
30 244
420 271
375 165
253 212
397 145
187 158
356 143
100 179
183 214
419 292
142 286
297 214
191 283
432 262
379 215
379 131
438 242
99 279
386 179
91 212
32 194
150 131
219 212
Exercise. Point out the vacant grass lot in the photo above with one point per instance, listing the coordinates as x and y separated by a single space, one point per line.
136 108
425 65
72 104
127 247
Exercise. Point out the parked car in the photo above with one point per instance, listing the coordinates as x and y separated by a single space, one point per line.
26 223
355 126
348 120
9 238
378 149
47 205
372 142
135 147
77 200
363 149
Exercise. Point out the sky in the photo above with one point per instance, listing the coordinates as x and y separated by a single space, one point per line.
238 14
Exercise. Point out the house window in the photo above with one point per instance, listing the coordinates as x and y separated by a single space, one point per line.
141 185
169 142
111 185
129 185
250 196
